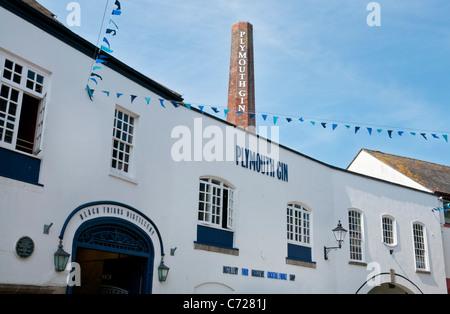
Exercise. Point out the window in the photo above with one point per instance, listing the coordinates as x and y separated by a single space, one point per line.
446 204
215 205
22 105
298 224
389 230
123 139
419 246
298 231
215 217
355 235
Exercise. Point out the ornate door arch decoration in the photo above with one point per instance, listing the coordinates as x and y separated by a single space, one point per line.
113 235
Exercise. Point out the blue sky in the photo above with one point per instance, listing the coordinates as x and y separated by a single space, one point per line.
315 59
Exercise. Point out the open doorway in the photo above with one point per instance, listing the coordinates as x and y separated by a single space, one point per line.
115 257
109 273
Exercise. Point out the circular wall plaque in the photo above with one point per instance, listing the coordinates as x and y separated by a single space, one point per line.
24 247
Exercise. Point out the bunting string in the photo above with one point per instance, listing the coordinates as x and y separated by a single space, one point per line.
444 208
275 119
105 48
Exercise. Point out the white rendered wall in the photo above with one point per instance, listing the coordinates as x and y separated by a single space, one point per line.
76 170
368 165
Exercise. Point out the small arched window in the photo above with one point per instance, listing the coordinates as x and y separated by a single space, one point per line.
215 206
298 224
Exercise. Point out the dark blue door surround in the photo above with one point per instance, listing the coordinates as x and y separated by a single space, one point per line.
116 235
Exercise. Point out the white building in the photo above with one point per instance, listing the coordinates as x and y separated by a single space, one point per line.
102 177
419 174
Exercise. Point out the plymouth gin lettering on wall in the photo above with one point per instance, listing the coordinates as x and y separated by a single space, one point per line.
241 89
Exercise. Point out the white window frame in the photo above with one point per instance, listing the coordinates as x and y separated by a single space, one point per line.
298 224
388 231
22 89
210 210
420 246
121 161
356 237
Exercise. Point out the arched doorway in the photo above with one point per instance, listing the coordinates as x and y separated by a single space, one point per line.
114 257
389 288
397 284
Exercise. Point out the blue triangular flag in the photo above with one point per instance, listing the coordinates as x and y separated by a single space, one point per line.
119 94
313 122
301 120
424 135
175 104
356 129
215 109
162 102
445 137
324 125
275 120
148 100
133 97
288 119
264 117
390 133
252 115
109 31
434 135
111 21
188 106
334 126
370 130
400 133
106 92
201 108
93 74
106 41
239 112
90 92
106 49
226 111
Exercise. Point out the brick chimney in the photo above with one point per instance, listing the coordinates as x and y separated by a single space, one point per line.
241 87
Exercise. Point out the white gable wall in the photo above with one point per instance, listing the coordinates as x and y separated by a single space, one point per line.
367 164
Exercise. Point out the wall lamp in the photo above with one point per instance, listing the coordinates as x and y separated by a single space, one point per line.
61 258
339 234
163 270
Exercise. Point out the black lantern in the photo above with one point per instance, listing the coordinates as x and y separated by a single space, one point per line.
61 258
163 270
339 234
